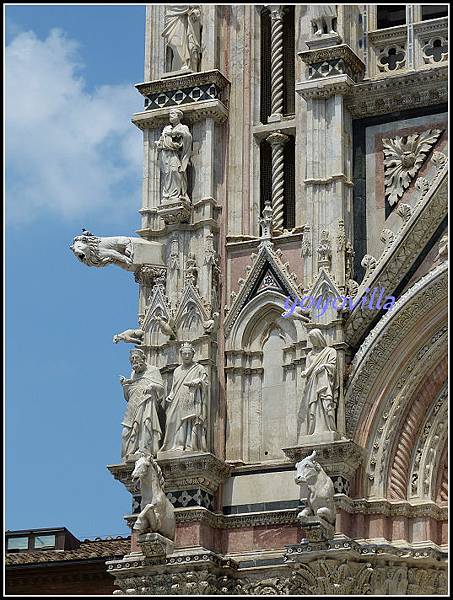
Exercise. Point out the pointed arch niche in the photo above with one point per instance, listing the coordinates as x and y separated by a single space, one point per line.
263 365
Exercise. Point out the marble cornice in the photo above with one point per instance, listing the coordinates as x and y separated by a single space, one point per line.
402 91
319 55
183 81
388 508
193 112
325 87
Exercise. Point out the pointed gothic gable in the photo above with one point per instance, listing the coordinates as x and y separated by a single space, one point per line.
324 285
158 305
267 273
189 296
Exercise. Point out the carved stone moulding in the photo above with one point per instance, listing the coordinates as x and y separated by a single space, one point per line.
150 276
185 469
196 571
324 87
335 60
197 111
343 547
155 545
340 459
398 92
316 529
175 212
186 89
191 479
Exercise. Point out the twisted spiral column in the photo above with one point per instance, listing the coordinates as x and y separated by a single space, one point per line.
277 140
276 63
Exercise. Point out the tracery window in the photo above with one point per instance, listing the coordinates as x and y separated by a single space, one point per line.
404 37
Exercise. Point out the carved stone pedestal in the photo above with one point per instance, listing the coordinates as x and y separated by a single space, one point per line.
155 545
175 212
191 478
316 529
192 572
324 41
340 459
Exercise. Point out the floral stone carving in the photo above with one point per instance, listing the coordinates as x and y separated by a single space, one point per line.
403 157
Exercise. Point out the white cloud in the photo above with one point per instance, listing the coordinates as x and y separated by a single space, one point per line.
69 152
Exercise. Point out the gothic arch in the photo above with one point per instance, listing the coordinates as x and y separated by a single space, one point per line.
266 307
262 356
384 405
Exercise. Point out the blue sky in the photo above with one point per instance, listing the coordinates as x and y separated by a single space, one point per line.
73 160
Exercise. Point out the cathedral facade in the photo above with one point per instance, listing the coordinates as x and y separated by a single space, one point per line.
287 408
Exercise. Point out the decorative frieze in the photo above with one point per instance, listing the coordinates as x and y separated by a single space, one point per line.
183 90
400 92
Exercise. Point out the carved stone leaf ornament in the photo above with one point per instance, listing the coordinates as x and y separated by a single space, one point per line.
403 157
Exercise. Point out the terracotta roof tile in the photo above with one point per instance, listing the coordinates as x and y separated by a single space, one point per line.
88 550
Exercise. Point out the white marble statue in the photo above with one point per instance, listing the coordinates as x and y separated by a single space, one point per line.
320 500
157 513
174 147
323 15
143 391
182 33
186 426
96 251
321 385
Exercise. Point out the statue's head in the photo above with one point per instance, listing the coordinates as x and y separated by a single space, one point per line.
187 352
175 116
138 360
317 338
307 470
143 463
86 249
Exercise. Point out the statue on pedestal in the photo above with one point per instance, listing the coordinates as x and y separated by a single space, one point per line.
183 36
186 426
321 385
157 512
174 147
143 390
320 500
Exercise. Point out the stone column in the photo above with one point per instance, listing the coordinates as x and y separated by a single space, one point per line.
276 63
277 140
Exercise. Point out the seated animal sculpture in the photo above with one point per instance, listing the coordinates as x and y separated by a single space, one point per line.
157 512
320 500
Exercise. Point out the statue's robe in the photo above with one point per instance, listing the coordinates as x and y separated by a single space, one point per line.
141 427
183 36
187 403
320 390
